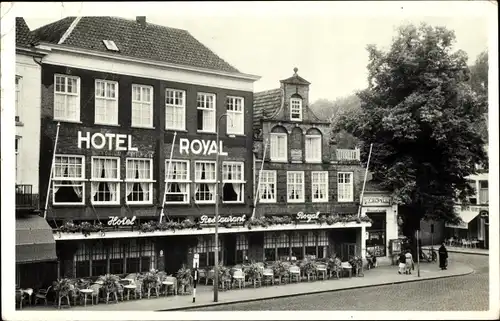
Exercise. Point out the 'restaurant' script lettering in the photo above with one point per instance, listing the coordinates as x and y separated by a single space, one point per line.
222 219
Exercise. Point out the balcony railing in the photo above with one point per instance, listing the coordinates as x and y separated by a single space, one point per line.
25 199
348 154
483 196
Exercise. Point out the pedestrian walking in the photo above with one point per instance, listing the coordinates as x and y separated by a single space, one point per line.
408 261
402 263
443 257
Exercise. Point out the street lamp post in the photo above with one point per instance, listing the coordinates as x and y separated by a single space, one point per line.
216 266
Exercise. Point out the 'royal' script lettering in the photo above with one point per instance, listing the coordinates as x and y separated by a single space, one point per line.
307 217
201 146
223 219
118 142
116 221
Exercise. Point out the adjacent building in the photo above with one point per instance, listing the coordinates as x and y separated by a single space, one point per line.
302 178
135 108
35 245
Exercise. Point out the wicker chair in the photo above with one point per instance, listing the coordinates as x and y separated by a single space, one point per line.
268 276
154 286
294 273
171 288
42 295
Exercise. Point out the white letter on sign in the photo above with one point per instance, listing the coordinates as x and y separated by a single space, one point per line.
120 140
103 141
183 146
85 139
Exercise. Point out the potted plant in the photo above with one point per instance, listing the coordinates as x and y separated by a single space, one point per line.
279 269
150 280
110 284
185 279
308 267
62 287
253 271
224 275
356 263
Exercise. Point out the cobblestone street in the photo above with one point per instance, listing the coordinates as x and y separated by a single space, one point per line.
463 293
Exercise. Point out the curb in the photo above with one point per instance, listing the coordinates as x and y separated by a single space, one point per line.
461 252
315 292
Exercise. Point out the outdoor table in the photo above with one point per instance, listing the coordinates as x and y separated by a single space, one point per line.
167 284
475 243
85 293
99 282
130 287
239 278
347 266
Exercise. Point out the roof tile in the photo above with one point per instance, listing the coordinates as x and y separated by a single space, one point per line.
24 37
148 41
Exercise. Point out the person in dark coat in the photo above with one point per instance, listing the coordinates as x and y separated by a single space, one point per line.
443 257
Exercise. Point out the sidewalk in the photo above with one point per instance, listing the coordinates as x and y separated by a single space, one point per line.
379 276
458 249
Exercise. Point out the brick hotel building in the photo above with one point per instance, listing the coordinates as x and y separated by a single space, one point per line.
121 90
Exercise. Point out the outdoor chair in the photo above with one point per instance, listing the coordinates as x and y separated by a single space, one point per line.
120 290
155 287
42 295
19 298
210 277
294 272
321 271
202 275
74 293
110 292
450 241
138 289
346 266
268 276
59 300
170 285
27 293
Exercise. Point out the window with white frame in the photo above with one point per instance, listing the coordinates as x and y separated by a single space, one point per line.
295 186
68 180
313 148
18 96
177 179
267 193
319 186
139 181
204 181
206 112
233 183
296 109
142 106
345 187
16 146
175 109
279 151
66 98
105 187
236 115
106 102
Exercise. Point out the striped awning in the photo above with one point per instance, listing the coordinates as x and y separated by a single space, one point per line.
34 240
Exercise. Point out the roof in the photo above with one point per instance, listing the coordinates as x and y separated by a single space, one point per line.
375 186
295 79
134 39
24 37
267 105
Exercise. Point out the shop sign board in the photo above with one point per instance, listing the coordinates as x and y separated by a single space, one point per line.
117 142
124 221
377 201
201 147
301 216
210 220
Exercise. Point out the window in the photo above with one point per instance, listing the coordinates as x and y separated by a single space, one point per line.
319 186
270 243
206 112
295 186
206 249
116 258
483 192
267 186
322 244
140 256
175 109
142 106
345 187
16 146
296 109
313 148
110 45
232 182
139 187
67 98
283 246
375 243
105 187
177 178
279 151
106 102
241 248
68 180
99 264
297 245
18 96
310 243
205 182
82 260
235 121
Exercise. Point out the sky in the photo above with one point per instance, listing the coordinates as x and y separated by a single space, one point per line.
326 41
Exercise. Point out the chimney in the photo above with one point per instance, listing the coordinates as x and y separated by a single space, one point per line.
141 20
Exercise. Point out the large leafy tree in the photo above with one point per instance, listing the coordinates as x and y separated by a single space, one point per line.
421 115
479 84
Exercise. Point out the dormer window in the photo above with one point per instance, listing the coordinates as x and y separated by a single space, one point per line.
296 109
110 45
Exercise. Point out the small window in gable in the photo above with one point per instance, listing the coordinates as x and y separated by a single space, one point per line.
110 45
296 108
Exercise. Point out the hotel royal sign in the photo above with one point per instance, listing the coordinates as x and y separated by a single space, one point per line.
110 141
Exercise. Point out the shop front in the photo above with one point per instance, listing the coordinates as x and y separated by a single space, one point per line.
380 209
473 230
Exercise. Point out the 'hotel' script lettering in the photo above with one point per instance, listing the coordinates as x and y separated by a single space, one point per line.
308 217
116 221
118 142
200 146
